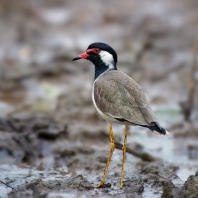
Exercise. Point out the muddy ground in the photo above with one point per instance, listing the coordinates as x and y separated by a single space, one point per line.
52 141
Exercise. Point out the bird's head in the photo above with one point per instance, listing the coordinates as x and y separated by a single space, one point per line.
100 54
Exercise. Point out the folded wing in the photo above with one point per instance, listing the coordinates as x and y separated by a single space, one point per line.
119 96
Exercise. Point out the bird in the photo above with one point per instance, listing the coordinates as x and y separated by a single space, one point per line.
117 98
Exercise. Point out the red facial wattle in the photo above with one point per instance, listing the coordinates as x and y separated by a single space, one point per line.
86 54
83 56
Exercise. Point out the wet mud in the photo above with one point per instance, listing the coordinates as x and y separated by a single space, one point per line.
53 143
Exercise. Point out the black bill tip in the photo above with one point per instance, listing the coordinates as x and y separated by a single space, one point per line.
76 58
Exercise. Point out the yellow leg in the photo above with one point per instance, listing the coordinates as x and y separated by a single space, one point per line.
124 155
112 146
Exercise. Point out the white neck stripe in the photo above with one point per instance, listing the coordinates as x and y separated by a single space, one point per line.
107 58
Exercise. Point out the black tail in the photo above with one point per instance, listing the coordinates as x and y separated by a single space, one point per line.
156 127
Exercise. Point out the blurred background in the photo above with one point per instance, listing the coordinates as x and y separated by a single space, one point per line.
52 140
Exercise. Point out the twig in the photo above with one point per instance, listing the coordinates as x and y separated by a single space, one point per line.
187 106
6 185
144 156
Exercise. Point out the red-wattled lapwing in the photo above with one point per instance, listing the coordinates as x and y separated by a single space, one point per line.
117 98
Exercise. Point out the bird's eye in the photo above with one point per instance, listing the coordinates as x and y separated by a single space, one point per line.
96 50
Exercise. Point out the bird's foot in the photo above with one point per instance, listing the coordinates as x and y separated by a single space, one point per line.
103 185
99 185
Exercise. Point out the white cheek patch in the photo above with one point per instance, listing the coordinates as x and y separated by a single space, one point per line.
107 58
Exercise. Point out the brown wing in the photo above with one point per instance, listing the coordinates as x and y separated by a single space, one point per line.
118 95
